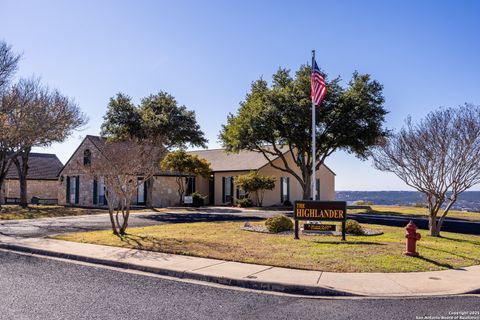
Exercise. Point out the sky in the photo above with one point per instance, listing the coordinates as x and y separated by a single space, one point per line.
207 53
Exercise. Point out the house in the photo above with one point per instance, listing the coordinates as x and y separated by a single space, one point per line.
42 179
221 190
79 188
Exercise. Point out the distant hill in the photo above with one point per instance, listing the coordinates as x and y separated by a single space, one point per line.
469 200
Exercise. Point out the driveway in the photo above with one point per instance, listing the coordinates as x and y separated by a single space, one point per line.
49 226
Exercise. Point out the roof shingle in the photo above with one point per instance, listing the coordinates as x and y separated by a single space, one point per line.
42 166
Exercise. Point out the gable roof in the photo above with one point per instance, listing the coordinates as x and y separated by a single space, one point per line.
41 166
99 143
220 160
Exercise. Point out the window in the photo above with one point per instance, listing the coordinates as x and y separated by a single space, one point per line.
73 189
190 185
141 195
227 189
87 157
101 193
284 189
241 194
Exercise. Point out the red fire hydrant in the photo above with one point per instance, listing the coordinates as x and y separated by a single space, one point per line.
412 238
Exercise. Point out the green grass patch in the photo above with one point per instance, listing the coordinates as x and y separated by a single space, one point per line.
225 240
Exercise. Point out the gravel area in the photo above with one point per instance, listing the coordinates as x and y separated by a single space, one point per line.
263 229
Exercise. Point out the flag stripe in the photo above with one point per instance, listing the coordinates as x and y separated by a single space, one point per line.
318 85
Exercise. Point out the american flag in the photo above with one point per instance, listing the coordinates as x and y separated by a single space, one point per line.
318 85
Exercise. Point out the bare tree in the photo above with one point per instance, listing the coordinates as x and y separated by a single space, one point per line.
123 163
40 117
8 64
8 67
438 156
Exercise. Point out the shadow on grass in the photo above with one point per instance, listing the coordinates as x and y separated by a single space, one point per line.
171 246
477 243
197 217
449 252
351 243
436 263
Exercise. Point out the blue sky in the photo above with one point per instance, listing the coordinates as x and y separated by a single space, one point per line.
206 53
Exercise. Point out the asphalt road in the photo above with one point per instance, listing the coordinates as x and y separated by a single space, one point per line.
41 288
451 225
49 226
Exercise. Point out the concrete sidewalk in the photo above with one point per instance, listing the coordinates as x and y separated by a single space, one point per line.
447 282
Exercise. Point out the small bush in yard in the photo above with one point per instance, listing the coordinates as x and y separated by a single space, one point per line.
353 227
197 199
279 223
245 203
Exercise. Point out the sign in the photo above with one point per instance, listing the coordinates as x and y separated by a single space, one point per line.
320 211
319 227
188 199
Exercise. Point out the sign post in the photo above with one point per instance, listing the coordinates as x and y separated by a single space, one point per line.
320 211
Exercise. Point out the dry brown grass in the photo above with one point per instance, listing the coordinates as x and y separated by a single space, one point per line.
227 241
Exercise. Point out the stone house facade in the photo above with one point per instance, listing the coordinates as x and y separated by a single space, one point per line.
42 179
77 187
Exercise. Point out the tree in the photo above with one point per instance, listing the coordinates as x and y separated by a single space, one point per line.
123 163
155 126
439 156
8 66
276 122
253 182
158 118
187 165
40 117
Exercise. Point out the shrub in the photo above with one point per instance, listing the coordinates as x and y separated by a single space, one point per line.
279 223
353 227
287 203
419 205
198 199
245 203
359 202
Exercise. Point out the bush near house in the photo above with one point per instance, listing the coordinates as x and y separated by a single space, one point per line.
198 199
245 203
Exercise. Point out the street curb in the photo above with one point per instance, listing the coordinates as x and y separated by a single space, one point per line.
243 283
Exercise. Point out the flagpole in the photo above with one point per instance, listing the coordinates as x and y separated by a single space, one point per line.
314 151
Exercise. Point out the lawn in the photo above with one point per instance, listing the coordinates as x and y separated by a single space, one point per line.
13 212
225 240
416 211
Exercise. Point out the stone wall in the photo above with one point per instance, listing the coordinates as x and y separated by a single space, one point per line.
163 188
164 192
45 189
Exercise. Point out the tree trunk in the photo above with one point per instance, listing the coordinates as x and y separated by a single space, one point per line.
307 184
123 229
434 226
22 170
181 190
